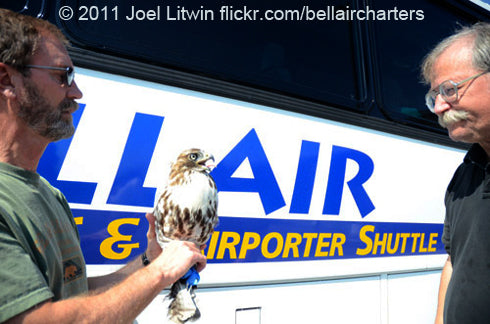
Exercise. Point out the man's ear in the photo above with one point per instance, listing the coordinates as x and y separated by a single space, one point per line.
7 77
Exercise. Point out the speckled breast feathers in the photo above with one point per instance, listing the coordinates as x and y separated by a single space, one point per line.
187 208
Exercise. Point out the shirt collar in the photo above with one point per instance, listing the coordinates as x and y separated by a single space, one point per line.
477 155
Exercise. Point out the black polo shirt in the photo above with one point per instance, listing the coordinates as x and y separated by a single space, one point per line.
467 240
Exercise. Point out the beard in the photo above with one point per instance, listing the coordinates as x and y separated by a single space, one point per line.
452 116
42 117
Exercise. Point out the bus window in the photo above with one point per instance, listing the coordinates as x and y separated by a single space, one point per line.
400 48
28 7
254 43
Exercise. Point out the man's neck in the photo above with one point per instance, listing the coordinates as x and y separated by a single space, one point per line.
21 147
21 161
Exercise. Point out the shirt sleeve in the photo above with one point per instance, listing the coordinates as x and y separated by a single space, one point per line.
446 236
23 285
446 233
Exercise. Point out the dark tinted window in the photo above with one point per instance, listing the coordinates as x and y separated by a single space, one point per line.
315 60
338 59
400 47
34 8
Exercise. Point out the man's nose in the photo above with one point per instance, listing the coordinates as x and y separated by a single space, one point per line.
74 92
441 105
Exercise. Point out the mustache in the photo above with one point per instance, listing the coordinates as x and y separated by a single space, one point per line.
452 116
68 105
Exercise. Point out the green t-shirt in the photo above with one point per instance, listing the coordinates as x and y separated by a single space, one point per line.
40 254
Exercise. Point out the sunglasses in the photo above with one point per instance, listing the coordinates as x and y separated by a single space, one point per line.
68 77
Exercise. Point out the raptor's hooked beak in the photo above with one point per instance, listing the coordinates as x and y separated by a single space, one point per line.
208 162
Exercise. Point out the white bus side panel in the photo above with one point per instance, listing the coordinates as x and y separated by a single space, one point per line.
302 200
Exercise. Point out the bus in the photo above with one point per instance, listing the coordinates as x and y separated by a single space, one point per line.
331 171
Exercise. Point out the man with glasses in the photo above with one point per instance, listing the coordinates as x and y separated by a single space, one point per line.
42 270
457 70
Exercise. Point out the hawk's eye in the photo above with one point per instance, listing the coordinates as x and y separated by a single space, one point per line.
193 156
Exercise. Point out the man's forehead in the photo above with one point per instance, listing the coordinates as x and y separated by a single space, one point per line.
51 50
456 59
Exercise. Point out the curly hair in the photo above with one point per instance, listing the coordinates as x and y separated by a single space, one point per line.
20 36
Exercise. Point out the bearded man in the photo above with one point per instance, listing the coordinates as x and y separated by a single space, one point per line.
43 272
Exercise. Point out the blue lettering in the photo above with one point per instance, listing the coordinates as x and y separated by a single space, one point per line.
336 179
127 188
50 165
305 178
264 181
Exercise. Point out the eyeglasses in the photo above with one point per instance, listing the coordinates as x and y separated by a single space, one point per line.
448 90
68 77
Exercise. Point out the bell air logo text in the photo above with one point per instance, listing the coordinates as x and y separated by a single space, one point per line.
110 236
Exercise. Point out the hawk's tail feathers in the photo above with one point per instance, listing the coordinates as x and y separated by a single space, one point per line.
183 306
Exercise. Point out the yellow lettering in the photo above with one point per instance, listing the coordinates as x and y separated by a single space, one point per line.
421 247
321 244
78 220
432 242
113 229
415 236
265 245
309 239
366 239
213 242
392 250
337 242
381 243
404 237
247 245
292 245
230 246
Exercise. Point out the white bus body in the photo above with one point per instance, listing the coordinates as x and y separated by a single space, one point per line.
331 172
320 221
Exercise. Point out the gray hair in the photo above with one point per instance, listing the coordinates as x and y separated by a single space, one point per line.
479 33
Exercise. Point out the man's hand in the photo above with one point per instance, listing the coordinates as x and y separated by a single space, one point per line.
177 258
153 249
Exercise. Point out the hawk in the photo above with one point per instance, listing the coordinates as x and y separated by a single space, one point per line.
187 211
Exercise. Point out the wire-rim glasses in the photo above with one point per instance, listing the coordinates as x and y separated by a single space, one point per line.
448 90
